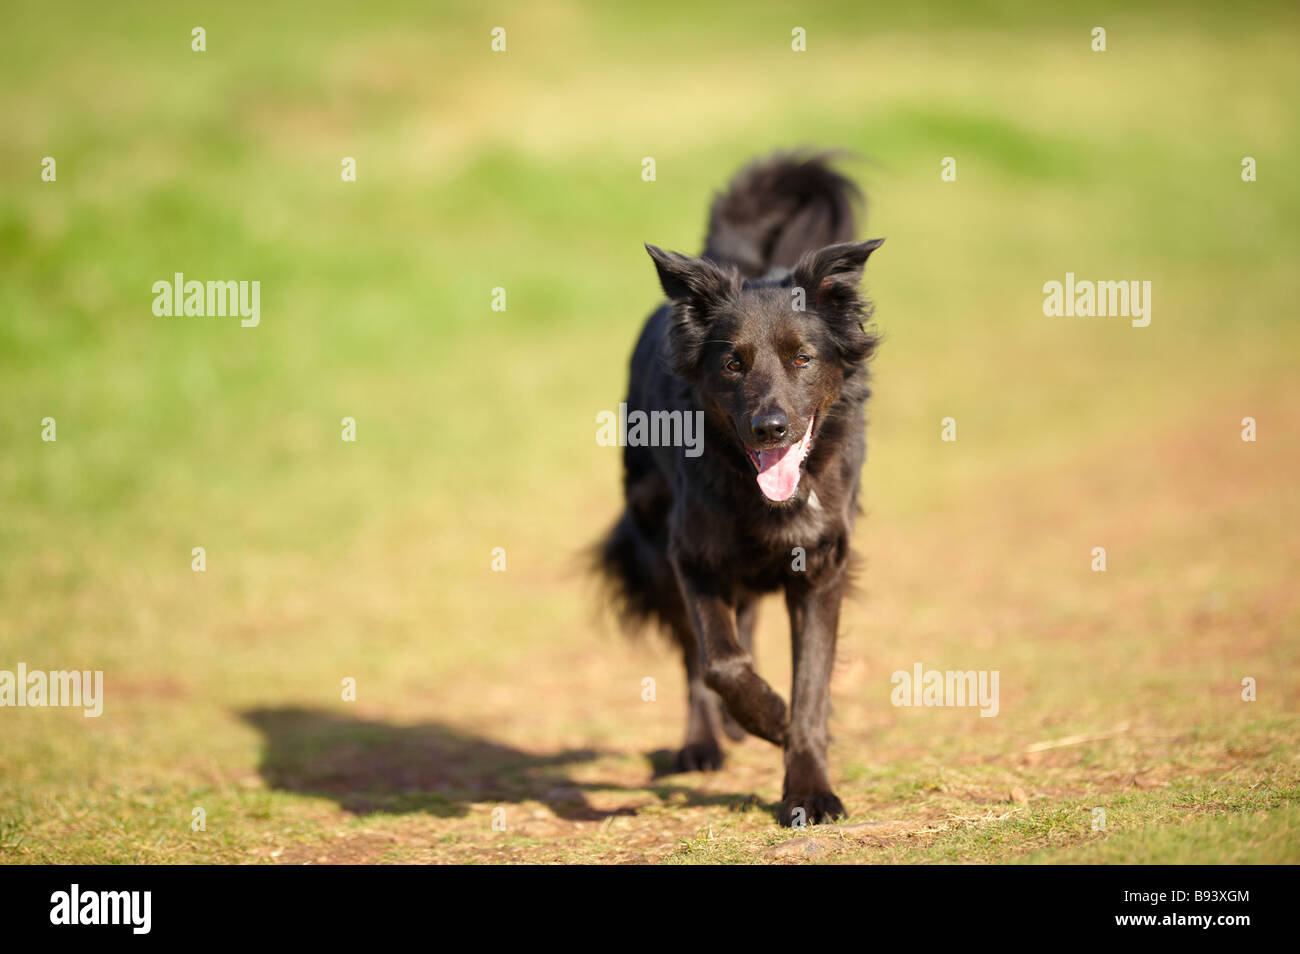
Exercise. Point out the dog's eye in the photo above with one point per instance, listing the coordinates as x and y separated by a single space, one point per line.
801 359
733 366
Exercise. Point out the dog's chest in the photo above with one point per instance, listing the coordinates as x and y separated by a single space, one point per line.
804 530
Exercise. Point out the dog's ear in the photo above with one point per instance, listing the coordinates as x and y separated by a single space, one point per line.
696 287
831 275
696 282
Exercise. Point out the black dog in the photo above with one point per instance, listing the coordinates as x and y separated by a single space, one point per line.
764 335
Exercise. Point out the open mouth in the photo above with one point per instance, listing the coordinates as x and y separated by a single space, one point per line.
779 468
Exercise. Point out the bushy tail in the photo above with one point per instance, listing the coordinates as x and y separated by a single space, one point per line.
778 208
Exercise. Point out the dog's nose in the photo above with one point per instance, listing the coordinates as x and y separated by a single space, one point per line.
769 426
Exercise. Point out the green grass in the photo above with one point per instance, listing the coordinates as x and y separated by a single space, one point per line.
481 690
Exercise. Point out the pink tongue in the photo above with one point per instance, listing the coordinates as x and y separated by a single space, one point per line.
778 471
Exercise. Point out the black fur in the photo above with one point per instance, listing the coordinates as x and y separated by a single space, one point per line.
699 541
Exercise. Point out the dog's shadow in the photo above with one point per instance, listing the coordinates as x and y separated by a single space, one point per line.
367 767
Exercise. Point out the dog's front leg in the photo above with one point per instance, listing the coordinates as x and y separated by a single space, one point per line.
814 619
728 667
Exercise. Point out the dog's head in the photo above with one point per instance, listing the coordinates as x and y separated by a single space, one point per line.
769 358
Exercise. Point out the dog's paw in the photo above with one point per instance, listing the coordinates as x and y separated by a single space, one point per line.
735 731
698 757
800 810
765 716
749 700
